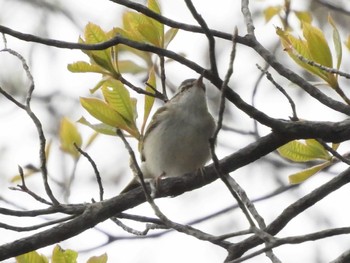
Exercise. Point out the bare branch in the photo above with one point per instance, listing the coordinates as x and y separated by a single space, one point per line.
211 40
290 100
36 122
94 166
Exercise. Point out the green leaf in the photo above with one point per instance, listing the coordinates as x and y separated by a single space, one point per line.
169 36
303 16
290 42
31 257
100 259
100 127
159 27
99 84
309 49
149 100
94 34
143 29
82 66
303 152
347 43
317 45
128 66
69 135
60 255
335 146
103 112
336 41
301 176
271 11
118 98
318 150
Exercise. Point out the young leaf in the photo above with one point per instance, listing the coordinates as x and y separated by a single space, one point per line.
336 41
100 259
335 146
69 135
317 45
347 43
99 128
303 16
118 98
82 66
291 43
31 257
128 66
143 29
60 255
94 34
149 100
303 175
315 48
99 84
271 11
169 36
300 152
159 27
106 114
317 149
103 112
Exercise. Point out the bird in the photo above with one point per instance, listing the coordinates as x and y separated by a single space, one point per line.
176 140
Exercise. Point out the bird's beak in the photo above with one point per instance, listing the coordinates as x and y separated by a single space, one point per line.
199 82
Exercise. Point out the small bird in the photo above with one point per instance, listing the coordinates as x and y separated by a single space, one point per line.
176 140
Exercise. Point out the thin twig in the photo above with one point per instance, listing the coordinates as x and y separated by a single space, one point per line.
35 227
156 93
37 123
281 89
162 77
295 240
23 188
96 171
247 17
209 35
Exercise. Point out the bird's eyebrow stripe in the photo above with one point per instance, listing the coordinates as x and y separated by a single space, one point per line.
187 84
